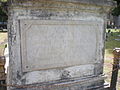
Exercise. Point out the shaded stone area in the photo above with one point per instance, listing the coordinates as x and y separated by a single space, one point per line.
90 83
117 39
2 87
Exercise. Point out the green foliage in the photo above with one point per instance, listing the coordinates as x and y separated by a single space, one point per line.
3 0
3 16
116 10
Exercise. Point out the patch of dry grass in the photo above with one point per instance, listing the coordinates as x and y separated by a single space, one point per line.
3 38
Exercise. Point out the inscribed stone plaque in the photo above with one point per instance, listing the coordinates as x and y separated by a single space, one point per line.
52 43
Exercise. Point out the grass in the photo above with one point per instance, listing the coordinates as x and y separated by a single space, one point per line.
3 38
111 44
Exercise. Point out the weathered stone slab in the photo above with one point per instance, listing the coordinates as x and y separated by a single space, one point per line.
51 44
56 40
117 39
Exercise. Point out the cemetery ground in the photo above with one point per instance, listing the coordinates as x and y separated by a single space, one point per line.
3 41
112 41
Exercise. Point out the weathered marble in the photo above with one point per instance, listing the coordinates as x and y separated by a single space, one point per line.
57 40
50 43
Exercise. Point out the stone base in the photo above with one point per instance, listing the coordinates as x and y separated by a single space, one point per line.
86 83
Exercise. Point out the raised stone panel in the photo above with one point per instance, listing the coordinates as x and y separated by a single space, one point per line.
50 44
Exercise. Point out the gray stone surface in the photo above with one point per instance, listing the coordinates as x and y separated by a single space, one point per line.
118 35
94 2
51 43
117 39
72 47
